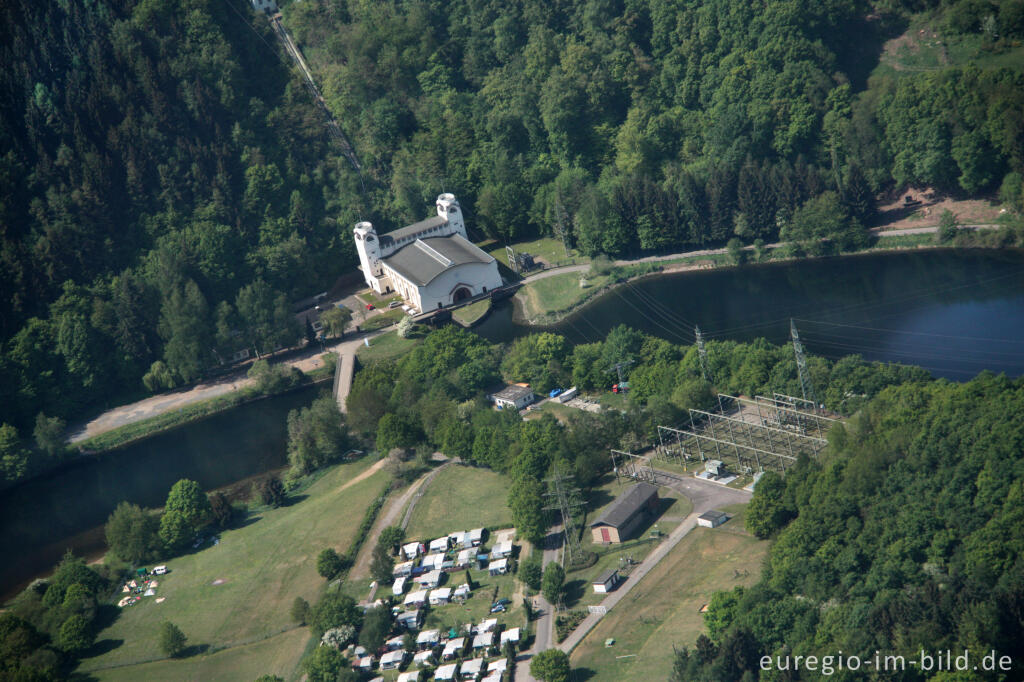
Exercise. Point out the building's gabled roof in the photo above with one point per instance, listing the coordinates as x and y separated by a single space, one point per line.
414 229
423 260
606 576
621 510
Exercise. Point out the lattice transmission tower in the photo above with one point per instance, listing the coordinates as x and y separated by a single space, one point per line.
565 498
801 366
705 368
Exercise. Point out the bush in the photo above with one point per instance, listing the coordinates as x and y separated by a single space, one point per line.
948 227
530 572
335 610
274 378
329 564
550 666
221 510
300 611
552 583
270 491
172 639
132 533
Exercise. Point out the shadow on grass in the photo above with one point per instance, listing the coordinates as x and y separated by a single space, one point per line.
580 674
573 592
194 650
598 498
103 646
294 499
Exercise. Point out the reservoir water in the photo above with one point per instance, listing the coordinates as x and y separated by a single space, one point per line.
45 516
953 312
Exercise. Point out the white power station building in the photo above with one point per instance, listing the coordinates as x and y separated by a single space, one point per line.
430 263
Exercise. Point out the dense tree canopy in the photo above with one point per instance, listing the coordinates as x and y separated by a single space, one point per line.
906 536
167 189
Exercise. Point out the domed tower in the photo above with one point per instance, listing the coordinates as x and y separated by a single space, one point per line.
368 247
449 209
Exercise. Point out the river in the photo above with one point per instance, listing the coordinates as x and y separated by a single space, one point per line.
66 509
955 313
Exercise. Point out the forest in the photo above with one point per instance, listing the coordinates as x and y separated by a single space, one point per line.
907 536
168 187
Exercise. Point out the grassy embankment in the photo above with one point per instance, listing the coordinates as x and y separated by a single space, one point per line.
232 600
461 498
546 249
387 346
663 610
468 315
188 413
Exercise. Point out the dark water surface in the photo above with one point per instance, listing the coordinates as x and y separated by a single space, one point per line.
955 313
43 517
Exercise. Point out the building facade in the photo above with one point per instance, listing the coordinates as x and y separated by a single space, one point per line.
431 264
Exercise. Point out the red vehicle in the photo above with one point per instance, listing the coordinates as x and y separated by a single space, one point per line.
369 306
620 388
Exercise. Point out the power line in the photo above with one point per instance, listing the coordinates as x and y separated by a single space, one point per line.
924 292
900 331
908 345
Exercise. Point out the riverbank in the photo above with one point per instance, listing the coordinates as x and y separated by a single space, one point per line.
549 297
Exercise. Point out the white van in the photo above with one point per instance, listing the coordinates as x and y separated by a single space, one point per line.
159 570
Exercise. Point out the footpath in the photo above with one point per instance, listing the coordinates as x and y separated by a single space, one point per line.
175 400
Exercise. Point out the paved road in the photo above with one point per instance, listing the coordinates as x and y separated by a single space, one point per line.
880 232
704 496
544 625
166 402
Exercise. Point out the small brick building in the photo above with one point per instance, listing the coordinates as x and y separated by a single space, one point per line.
625 514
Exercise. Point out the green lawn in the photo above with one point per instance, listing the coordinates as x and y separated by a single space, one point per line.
278 655
547 249
240 590
385 319
386 347
460 498
558 293
673 508
468 314
664 609
370 296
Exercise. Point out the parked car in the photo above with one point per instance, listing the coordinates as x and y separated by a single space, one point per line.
370 306
498 608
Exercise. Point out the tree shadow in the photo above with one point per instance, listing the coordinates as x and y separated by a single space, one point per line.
193 650
106 615
103 646
573 592
581 674
860 49
294 499
598 498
